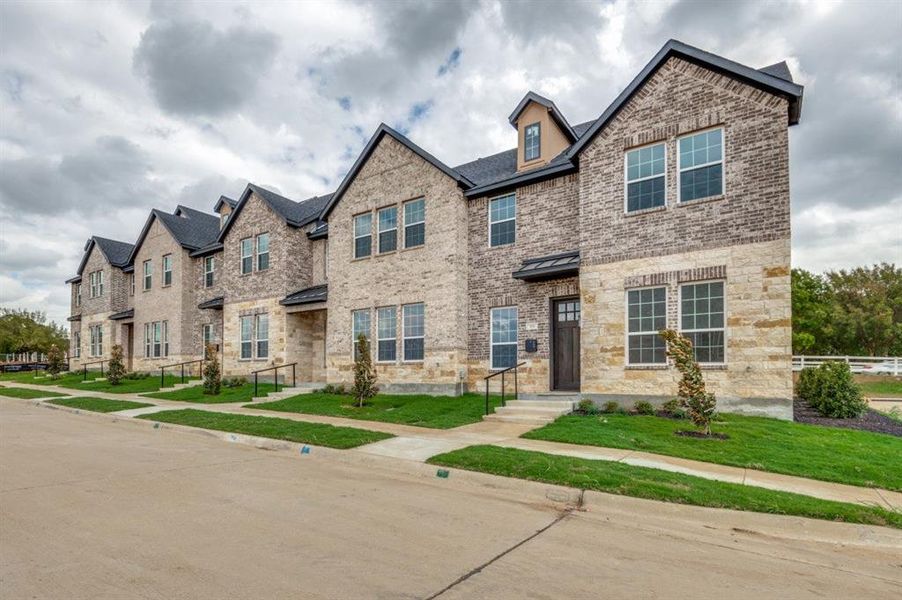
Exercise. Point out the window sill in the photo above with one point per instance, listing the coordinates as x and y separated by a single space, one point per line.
644 211
419 247
361 258
712 366
387 253
646 367
501 246
682 203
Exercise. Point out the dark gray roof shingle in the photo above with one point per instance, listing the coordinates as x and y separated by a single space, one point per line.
116 252
780 69
317 293
191 228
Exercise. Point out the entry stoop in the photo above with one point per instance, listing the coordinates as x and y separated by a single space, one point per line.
288 392
536 409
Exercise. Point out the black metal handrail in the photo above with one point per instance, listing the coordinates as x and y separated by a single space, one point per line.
294 381
495 374
182 365
85 366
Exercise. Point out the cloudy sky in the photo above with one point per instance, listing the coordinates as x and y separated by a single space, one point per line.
110 108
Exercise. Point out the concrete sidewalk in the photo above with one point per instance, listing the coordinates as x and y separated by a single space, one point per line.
420 443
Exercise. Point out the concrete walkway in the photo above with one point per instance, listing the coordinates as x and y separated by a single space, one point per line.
419 443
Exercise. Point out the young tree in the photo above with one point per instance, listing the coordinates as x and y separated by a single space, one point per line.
364 374
55 361
699 404
117 368
212 377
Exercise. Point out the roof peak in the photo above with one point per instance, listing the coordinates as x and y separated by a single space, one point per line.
556 114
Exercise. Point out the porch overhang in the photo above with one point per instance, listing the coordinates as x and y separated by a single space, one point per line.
124 315
316 294
212 303
554 266
74 318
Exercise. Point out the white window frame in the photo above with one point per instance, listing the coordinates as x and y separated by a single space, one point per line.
489 219
206 337
722 162
394 334
167 259
380 231
258 255
258 338
78 294
147 271
76 343
249 256
626 326
132 284
526 129
250 340
96 347
209 271
405 337
627 182
357 237
413 223
164 337
724 328
492 343
368 332
99 283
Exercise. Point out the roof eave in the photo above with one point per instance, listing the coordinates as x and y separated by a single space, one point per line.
521 179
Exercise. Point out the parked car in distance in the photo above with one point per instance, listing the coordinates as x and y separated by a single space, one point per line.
887 367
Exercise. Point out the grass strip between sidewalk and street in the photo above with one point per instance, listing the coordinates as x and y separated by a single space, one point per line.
242 393
28 394
655 484
317 434
98 404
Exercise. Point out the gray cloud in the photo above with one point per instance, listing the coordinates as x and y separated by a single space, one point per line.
194 69
572 23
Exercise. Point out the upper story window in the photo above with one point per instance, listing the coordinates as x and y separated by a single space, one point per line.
148 275
247 256
360 324
645 181
503 220
388 229
702 319
414 331
131 284
95 279
387 334
167 270
415 223
532 142
262 251
701 165
503 352
363 235
646 315
77 294
209 267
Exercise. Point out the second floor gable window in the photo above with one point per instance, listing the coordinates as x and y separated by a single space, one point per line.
209 266
503 220
363 235
131 284
415 223
532 142
148 275
645 182
247 256
388 229
701 165
96 283
262 251
167 270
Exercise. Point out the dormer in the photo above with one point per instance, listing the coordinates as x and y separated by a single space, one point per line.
223 208
542 131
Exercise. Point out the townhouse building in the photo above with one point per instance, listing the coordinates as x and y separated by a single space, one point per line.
565 255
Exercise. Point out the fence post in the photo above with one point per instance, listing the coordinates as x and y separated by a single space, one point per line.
896 367
162 377
802 361
294 377
276 373
85 378
255 385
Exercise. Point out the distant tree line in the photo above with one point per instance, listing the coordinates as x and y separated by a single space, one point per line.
856 312
28 331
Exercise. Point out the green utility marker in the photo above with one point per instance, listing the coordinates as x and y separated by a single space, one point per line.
442 473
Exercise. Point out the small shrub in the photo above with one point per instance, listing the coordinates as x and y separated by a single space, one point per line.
587 407
117 368
611 406
134 375
832 391
364 374
698 403
211 373
644 408
55 361
671 406
233 382
338 390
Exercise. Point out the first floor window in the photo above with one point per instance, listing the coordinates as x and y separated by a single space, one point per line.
96 340
645 178
209 266
207 337
254 336
76 343
247 337
388 229
415 223
167 269
646 314
156 339
701 165
387 334
504 337
247 256
503 220
262 251
148 275
363 235
414 331
702 319
261 335
360 324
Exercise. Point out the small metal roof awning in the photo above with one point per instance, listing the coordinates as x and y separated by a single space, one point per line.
549 267
212 303
310 295
125 314
74 318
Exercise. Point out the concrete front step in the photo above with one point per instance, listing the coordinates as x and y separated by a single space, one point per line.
530 411
541 403
526 420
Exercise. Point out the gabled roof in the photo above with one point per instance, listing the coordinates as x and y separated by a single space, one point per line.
780 69
763 80
224 200
382 131
206 250
556 114
295 214
317 293
190 228
115 252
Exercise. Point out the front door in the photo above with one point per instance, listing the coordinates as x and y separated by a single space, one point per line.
565 361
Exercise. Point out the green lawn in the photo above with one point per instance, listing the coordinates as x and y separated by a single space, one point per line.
882 389
317 434
126 386
42 378
437 412
14 392
196 394
655 484
826 453
99 404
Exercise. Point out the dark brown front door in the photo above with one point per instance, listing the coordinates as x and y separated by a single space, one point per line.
565 324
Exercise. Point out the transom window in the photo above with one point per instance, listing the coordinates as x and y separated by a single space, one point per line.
156 339
247 256
646 316
388 229
387 334
167 269
503 220
701 165
532 142
262 251
360 324
504 337
568 311
148 274
645 178
209 268
363 235
415 223
702 319
414 331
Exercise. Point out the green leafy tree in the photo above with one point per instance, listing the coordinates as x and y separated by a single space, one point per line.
812 310
55 361
212 376
364 374
116 371
28 331
867 309
699 404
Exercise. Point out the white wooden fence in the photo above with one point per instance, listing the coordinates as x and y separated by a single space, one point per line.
878 365
23 357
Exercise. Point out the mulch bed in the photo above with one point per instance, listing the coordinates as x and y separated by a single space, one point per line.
870 420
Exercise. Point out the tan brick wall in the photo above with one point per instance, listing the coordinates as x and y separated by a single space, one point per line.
306 344
232 365
435 274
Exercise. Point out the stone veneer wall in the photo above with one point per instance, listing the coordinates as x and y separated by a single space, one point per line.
434 274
